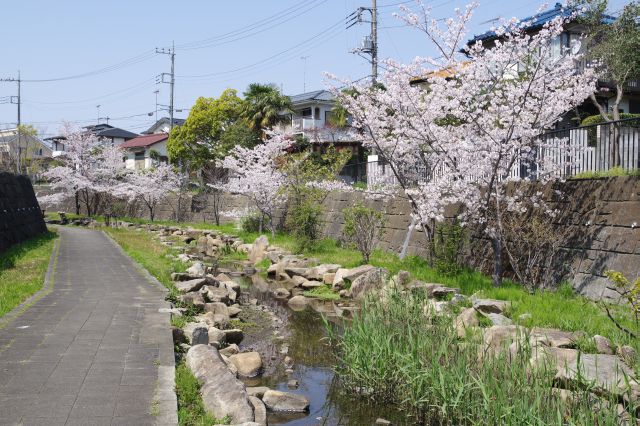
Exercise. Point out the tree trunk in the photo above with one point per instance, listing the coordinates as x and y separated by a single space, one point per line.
77 197
496 245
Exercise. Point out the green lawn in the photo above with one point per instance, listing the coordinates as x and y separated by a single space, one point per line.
22 270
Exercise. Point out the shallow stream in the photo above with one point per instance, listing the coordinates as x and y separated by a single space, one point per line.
276 331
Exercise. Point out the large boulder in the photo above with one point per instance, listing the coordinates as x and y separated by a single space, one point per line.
258 249
191 285
604 375
259 411
553 337
197 269
285 402
217 294
298 303
498 339
194 298
249 364
369 282
467 319
603 345
490 306
222 393
318 272
350 275
196 333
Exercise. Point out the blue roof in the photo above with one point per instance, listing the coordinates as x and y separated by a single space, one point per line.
317 95
538 21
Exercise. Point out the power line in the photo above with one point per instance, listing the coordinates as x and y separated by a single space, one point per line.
283 52
260 26
126 63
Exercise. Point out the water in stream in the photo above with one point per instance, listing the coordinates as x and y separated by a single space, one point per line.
280 331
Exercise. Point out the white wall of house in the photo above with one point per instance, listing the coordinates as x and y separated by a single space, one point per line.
139 158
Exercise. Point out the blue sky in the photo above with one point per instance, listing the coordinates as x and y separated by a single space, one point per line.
47 39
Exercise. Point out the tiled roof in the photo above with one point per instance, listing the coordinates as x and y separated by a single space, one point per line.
144 141
318 95
538 21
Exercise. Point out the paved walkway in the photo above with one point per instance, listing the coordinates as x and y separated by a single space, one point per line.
94 351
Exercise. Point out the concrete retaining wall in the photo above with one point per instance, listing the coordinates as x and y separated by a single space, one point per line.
20 214
598 225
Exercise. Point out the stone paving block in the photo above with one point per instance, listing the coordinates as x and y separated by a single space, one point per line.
90 351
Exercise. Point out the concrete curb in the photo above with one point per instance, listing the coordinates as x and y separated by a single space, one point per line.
47 286
165 400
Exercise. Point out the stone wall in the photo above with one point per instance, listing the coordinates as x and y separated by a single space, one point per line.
598 226
20 214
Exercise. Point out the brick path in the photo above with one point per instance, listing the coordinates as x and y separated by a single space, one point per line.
94 351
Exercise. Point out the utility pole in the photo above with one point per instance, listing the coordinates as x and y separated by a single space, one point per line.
369 45
304 74
374 41
156 92
98 108
172 78
18 101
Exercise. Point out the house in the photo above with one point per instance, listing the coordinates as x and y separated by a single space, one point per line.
23 152
570 39
163 125
312 118
109 134
144 151
57 144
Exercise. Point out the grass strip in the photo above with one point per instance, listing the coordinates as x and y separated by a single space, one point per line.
22 270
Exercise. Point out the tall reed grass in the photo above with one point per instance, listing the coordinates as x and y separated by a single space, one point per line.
393 353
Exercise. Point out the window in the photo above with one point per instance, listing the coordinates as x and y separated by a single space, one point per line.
317 114
306 113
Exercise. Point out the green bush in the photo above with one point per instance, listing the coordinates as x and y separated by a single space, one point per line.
363 227
597 119
303 220
251 222
447 246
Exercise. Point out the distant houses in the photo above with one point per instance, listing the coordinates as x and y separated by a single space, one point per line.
25 152
109 134
145 151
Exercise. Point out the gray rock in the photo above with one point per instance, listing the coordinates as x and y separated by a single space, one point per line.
196 333
604 375
257 391
317 272
603 345
293 384
467 319
309 285
222 393
553 337
281 293
370 282
490 306
178 335
191 285
627 354
285 402
259 410
198 269
343 274
217 308
249 364
499 319
384 422
217 336
498 339
194 298
440 292
232 287
234 311
298 303
217 294
230 350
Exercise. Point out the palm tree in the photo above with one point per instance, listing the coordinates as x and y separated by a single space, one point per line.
264 105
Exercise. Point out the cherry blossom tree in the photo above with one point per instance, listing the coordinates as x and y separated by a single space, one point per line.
89 172
152 186
458 128
255 174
